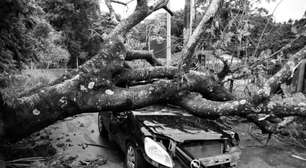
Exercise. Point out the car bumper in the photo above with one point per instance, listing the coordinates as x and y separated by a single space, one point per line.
219 161
224 159
228 160
178 164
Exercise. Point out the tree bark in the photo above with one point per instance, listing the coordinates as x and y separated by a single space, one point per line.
109 60
65 97
40 107
143 54
195 103
284 74
78 95
130 76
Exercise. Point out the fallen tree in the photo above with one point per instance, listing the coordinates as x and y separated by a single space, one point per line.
105 83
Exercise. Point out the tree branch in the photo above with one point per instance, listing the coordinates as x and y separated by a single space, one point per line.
111 57
293 106
119 2
187 53
225 70
283 74
77 95
141 12
130 76
143 54
112 12
197 105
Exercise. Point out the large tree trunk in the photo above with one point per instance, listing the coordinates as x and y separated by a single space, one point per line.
43 106
91 87
73 96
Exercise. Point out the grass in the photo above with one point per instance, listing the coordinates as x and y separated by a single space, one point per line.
28 79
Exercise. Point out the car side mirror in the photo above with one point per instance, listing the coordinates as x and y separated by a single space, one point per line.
120 115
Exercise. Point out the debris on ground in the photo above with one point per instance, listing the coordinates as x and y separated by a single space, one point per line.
298 157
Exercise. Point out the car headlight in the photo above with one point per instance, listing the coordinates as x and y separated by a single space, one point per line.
157 153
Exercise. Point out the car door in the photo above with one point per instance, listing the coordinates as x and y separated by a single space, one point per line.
120 128
106 117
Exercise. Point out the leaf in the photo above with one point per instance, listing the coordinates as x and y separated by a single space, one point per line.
294 30
303 33
36 112
91 85
228 37
83 55
109 92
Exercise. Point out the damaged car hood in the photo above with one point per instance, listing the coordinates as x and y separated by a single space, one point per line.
180 126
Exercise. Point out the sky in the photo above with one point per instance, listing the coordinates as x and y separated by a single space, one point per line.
286 9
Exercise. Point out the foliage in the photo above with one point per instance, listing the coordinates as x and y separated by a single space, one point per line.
240 30
51 54
177 22
77 20
156 29
250 34
16 45
26 36
245 31
11 86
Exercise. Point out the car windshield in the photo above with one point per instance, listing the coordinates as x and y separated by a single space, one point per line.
161 110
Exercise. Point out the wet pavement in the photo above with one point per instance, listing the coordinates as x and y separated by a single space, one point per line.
77 138
77 143
79 135
279 153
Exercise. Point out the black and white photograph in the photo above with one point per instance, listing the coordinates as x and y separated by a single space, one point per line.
152 83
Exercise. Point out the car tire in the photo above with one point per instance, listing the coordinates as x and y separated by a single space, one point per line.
133 157
102 130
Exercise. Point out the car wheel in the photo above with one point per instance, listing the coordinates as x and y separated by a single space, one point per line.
133 158
102 130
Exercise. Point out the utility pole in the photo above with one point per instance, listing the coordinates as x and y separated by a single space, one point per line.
77 62
192 15
168 59
188 19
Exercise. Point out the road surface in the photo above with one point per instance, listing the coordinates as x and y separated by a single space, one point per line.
74 139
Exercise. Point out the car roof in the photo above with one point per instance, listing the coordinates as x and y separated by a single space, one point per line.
162 110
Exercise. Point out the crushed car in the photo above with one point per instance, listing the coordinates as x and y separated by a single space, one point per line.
168 137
